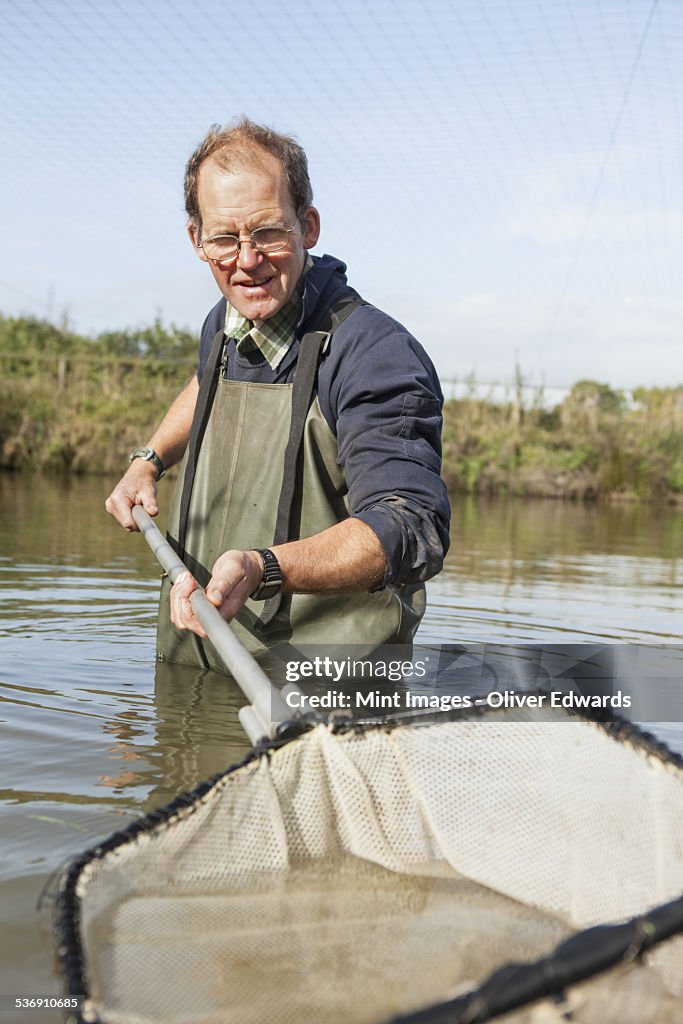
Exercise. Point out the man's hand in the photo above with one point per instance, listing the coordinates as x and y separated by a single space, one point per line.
182 615
138 486
236 575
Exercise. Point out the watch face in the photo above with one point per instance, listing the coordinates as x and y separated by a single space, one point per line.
149 455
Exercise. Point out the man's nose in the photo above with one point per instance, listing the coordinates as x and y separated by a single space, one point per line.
248 256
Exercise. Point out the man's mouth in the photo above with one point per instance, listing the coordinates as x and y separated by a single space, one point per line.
261 283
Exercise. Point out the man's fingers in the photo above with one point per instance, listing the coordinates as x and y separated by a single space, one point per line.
119 506
149 503
184 584
137 487
239 571
215 594
182 615
235 577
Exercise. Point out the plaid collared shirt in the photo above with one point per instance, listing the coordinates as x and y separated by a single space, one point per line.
273 336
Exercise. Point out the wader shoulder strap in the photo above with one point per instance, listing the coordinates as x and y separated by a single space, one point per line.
303 391
207 390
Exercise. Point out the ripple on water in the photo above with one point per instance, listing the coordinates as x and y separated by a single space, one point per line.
565 599
76 605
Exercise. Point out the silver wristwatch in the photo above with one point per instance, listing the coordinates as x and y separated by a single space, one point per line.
149 455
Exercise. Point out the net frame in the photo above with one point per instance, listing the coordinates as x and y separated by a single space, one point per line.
588 953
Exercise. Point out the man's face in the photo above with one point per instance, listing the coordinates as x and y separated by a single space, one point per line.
236 202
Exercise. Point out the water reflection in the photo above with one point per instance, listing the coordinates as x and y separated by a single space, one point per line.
197 731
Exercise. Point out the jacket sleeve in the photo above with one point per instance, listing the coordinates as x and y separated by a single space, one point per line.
384 404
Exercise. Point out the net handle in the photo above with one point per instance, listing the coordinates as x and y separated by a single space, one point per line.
272 712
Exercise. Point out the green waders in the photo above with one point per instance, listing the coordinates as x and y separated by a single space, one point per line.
265 471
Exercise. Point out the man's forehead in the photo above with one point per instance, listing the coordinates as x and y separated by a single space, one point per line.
256 165
242 184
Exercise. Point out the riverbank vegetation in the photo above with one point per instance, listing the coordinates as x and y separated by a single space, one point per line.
596 444
75 404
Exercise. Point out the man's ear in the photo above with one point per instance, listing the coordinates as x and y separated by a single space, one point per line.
310 226
194 234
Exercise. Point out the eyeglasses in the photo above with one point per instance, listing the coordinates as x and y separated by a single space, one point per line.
226 248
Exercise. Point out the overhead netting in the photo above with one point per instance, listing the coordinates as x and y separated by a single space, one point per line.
371 874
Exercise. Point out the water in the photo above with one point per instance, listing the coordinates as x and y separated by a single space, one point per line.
284 945
90 738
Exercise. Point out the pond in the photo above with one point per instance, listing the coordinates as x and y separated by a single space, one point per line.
90 738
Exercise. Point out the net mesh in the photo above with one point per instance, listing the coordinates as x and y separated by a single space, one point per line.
364 875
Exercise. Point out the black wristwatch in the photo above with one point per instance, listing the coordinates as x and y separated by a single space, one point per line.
149 455
271 581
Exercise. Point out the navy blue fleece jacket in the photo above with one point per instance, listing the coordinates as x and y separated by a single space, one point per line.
381 397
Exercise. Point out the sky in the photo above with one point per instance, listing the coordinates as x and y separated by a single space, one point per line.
505 177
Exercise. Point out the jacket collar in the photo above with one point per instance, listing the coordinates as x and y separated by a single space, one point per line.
324 279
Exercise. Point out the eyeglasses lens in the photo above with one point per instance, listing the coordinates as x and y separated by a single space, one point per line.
226 247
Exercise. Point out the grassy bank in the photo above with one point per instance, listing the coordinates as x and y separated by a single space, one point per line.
75 404
594 445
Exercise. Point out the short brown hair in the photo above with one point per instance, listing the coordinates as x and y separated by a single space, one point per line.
233 145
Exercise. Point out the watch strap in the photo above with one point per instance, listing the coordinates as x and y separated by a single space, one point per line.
149 455
271 581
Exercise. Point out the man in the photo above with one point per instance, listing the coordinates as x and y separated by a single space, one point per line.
311 431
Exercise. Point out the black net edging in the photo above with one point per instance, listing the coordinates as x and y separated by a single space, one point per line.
582 957
70 953
585 955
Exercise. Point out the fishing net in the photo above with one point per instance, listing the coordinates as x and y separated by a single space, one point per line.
445 868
